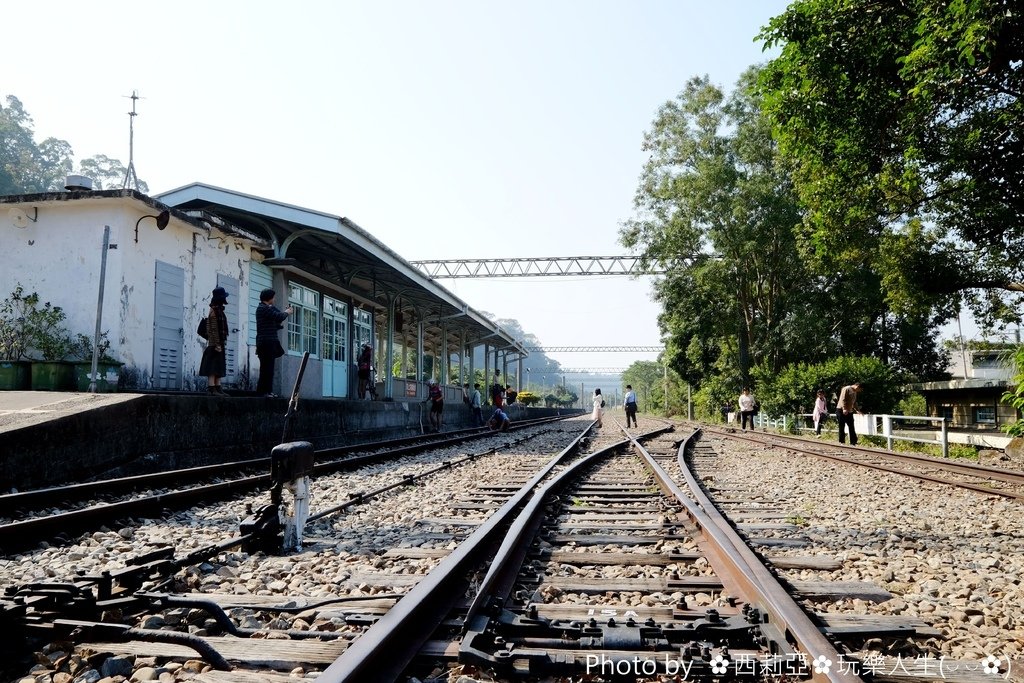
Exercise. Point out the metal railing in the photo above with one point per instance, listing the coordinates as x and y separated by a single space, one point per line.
879 425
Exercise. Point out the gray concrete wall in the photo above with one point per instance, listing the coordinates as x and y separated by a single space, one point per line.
160 432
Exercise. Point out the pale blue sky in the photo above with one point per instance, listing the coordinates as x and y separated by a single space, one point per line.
446 129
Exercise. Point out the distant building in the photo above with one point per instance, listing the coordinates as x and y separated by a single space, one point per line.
973 397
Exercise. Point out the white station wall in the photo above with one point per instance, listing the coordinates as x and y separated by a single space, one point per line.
59 256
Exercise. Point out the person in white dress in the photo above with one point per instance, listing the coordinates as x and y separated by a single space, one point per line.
598 407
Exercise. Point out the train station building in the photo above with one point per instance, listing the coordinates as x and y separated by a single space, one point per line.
346 288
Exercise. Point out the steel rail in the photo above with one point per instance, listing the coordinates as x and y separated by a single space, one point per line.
958 468
740 563
507 563
384 651
971 468
25 533
31 500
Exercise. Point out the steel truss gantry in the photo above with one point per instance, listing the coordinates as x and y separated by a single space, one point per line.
596 349
537 267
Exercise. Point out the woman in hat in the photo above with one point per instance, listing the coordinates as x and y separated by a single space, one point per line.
214 362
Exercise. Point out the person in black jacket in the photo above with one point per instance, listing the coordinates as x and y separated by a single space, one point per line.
268 346
214 362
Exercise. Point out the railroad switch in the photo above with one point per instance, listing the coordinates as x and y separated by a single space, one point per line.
261 531
279 526
512 642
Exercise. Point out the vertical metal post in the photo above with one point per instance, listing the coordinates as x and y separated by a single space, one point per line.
99 312
389 352
887 430
689 403
945 439
420 349
665 368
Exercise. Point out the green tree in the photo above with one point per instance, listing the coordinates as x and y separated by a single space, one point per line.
107 173
902 121
1015 397
644 376
26 167
717 211
793 390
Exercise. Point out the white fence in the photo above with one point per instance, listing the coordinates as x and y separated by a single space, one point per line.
868 425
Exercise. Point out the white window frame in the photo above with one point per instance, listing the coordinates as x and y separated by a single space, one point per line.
304 322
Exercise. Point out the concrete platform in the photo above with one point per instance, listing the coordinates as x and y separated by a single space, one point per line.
51 438
23 408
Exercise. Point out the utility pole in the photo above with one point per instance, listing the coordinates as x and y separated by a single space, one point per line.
129 174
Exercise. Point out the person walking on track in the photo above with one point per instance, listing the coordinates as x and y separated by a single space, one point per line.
845 408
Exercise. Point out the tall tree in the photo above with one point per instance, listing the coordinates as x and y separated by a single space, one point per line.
717 211
107 173
26 167
902 121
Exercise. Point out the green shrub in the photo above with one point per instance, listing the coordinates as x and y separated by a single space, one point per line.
793 389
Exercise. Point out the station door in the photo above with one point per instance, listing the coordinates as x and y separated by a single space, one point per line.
168 325
335 348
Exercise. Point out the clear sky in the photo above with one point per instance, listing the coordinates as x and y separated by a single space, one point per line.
448 129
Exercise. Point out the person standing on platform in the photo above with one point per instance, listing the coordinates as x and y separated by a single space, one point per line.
476 406
746 404
497 390
436 398
365 370
268 346
598 410
845 408
214 362
629 401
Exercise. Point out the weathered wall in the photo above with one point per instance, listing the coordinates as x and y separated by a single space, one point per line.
160 432
59 257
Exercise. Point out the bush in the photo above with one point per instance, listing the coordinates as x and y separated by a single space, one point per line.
15 323
25 327
1016 397
793 389
528 398
82 348
49 337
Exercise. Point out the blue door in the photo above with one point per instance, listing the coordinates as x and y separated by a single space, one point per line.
168 325
335 348
230 285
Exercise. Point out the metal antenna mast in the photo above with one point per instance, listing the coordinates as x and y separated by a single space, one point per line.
129 174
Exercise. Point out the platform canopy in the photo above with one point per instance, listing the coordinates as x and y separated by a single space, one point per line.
336 252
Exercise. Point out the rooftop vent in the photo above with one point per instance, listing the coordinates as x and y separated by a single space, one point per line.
78 183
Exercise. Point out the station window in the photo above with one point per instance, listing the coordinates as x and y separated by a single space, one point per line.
985 414
946 412
304 322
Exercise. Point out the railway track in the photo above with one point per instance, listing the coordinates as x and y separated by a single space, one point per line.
28 517
980 478
140 588
610 563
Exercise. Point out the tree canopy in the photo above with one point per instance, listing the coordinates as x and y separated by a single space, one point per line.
29 167
901 122
716 206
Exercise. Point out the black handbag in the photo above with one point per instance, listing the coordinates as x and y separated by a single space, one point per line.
201 330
